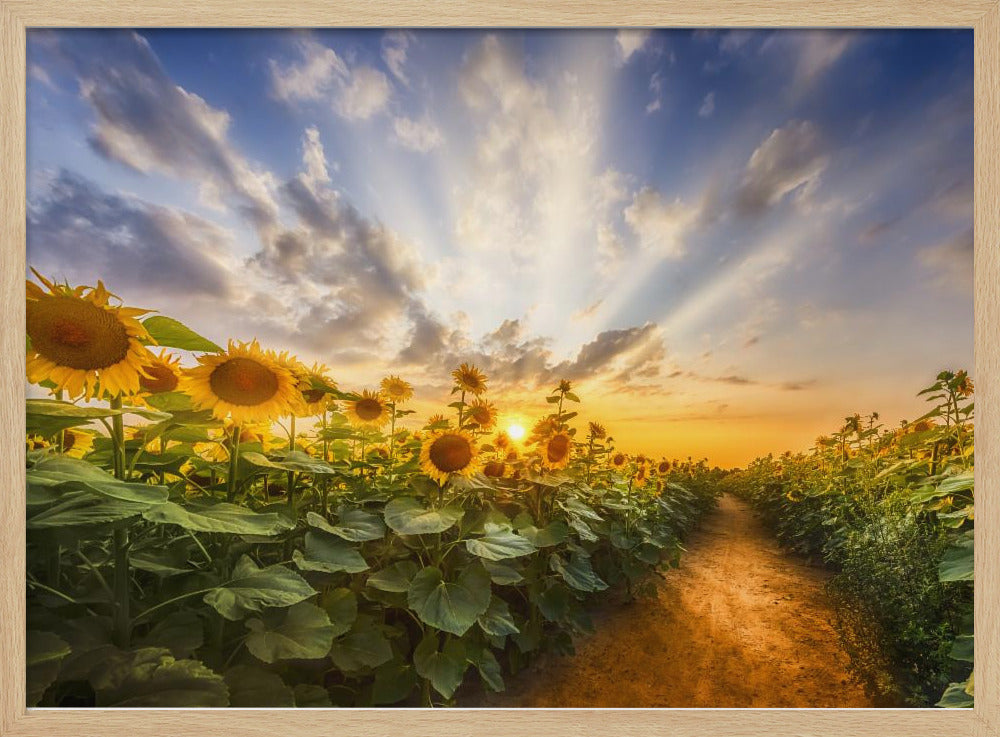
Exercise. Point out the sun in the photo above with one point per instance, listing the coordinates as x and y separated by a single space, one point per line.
515 431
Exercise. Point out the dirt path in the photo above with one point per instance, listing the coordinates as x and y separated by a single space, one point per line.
739 624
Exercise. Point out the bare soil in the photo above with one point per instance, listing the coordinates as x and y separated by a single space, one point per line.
740 624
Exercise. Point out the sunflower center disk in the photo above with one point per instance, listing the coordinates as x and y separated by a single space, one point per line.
244 382
313 395
368 409
451 453
557 448
161 379
77 334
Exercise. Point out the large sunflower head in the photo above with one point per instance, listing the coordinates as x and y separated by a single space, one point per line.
244 382
448 453
469 379
597 431
618 460
370 410
161 374
313 401
396 390
81 343
556 450
483 413
663 467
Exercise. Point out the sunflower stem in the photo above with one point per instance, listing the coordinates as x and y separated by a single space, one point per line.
234 458
392 443
326 459
291 474
122 624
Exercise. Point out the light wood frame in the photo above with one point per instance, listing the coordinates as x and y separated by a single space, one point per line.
981 15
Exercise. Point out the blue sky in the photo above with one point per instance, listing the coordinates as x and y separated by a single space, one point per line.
729 239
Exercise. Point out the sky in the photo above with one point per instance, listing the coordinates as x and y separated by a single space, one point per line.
728 240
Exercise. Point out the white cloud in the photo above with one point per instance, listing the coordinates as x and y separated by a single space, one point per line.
314 159
355 93
789 158
660 224
707 106
417 135
656 87
951 261
630 41
395 46
365 94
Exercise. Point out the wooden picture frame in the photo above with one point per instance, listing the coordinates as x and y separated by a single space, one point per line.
981 15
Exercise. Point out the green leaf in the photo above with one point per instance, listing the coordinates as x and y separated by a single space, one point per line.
579 509
499 543
251 589
355 525
329 554
489 669
251 687
72 474
554 603
394 681
311 696
963 647
445 668
362 647
451 607
497 619
301 631
341 606
46 417
45 652
957 563
293 461
578 573
81 508
172 334
555 533
407 516
151 677
209 516
396 578
956 697
179 632
502 574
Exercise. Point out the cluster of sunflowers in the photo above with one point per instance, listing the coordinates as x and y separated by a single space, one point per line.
201 536
892 510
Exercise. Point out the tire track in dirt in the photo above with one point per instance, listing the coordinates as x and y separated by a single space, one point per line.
739 624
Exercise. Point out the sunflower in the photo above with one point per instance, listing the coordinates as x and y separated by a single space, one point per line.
963 384
597 431
396 389
641 476
663 467
370 411
75 443
494 469
437 419
564 386
470 379
449 453
82 344
556 451
483 413
244 382
378 452
543 429
618 460
501 440
313 401
162 373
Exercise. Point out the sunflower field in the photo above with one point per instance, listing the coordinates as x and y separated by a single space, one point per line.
890 510
239 531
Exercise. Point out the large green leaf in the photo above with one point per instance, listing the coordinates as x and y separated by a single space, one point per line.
209 516
151 677
46 417
329 554
578 572
957 563
450 606
251 687
394 681
363 647
499 543
301 631
488 667
354 525
293 461
311 696
963 648
407 516
81 508
396 578
554 533
956 696
341 606
497 619
172 334
72 474
180 632
45 651
252 588
443 668
502 574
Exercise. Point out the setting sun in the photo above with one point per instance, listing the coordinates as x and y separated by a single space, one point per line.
515 431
